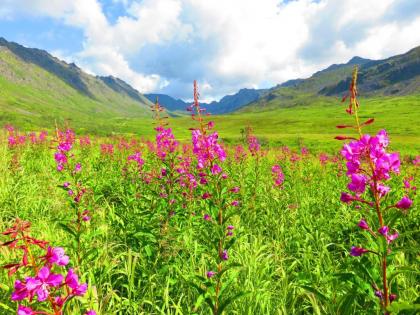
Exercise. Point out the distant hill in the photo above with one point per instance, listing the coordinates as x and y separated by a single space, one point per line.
227 104
168 102
36 86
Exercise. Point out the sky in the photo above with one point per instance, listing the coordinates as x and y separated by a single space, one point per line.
161 46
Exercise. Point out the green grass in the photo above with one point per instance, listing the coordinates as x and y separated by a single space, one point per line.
291 244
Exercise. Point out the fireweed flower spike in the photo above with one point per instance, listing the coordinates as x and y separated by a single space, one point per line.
218 201
369 166
41 283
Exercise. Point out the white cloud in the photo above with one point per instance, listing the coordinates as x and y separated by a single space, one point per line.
228 44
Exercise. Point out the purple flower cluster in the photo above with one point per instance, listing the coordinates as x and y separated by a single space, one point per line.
278 175
44 284
368 156
207 149
65 144
165 142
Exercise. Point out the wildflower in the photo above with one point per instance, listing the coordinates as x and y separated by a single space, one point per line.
206 148
165 142
383 230
323 158
90 312
216 169
278 175
85 215
224 255
66 184
210 274
379 294
207 217
235 203
41 283
72 281
358 251
392 297
20 292
363 225
404 203
206 195
56 256
24 310
235 189
358 183
77 168
347 198
253 145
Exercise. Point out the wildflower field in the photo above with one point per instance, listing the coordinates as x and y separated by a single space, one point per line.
131 225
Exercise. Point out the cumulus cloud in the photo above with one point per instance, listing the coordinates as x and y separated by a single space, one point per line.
163 45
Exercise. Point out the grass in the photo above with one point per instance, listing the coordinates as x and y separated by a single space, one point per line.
291 243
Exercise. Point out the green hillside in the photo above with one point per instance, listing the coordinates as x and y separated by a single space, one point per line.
32 94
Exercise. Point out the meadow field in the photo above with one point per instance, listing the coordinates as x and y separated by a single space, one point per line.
161 226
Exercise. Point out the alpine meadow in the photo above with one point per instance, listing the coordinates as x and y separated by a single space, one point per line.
194 157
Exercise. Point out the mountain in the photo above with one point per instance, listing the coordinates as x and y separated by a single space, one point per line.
397 75
168 102
231 103
227 104
38 87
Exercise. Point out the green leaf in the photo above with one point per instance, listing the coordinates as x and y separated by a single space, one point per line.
68 229
230 300
396 307
318 294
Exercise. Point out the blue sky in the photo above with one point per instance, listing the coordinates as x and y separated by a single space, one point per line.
163 45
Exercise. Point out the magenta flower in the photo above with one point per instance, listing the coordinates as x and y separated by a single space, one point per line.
64 147
90 312
347 198
404 203
66 184
41 283
78 168
358 251
207 217
224 255
206 148
20 292
72 281
235 189
216 169
165 142
383 230
358 183
210 274
206 195
24 310
235 203
56 256
363 225
392 297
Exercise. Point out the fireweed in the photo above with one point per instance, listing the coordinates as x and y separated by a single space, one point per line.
369 167
43 285
70 171
220 205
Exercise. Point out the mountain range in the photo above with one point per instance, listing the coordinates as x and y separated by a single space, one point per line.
36 87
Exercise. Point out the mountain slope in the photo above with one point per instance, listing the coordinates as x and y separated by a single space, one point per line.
37 87
398 75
